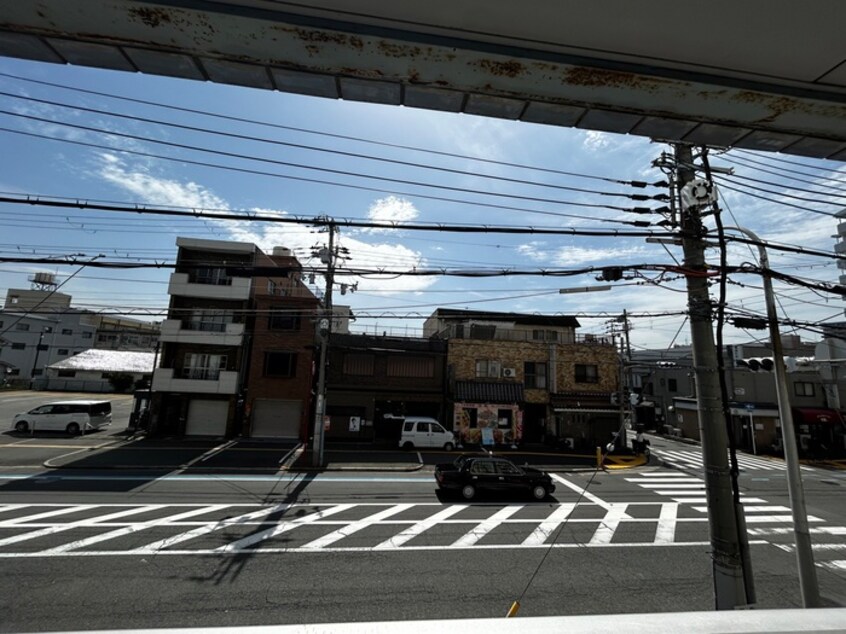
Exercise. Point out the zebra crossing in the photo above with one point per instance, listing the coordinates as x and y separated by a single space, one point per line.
772 523
692 459
84 530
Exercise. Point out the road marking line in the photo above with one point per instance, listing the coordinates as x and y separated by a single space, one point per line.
413 531
665 531
65 527
485 527
584 492
365 549
682 479
354 527
664 474
128 530
681 485
608 525
26 519
11 507
157 546
699 500
752 509
837 564
549 525
282 527
783 519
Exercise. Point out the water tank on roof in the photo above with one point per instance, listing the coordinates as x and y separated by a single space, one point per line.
284 251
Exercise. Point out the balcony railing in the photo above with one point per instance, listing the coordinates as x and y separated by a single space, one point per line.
503 334
195 380
200 374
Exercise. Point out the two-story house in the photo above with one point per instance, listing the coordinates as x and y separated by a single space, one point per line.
527 378
374 380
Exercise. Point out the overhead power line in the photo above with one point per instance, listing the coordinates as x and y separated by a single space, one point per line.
301 146
244 170
267 124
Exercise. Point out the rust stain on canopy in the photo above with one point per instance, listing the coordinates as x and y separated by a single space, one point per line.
150 16
597 78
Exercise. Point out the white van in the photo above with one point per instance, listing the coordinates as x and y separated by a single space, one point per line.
74 417
423 431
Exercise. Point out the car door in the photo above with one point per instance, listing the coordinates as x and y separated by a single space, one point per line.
511 478
42 418
423 436
484 476
438 435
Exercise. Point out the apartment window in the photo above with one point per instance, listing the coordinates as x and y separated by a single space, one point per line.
487 369
535 375
203 366
208 320
271 287
672 385
801 388
587 373
413 367
67 374
18 346
38 372
42 347
87 335
67 331
357 364
22 327
283 320
280 364
15 372
211 275
62 352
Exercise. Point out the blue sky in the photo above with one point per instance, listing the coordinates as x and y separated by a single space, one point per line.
37 166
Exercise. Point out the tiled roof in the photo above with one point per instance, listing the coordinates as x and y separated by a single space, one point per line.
481 392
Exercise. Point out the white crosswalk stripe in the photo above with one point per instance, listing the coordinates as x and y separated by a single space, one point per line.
692 459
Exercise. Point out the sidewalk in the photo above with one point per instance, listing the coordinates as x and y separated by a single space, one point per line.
134 453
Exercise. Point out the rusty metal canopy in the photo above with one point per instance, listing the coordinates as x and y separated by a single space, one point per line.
761 74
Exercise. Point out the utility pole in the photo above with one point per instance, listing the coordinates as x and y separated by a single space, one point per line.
327 256
808 585
726 557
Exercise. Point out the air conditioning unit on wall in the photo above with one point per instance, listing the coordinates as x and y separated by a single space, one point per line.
509 373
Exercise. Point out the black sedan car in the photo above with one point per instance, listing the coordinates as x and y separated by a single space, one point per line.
472 474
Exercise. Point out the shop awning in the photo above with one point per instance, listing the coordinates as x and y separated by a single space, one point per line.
816 416
488 392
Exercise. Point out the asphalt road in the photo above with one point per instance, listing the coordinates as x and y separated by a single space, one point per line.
92 549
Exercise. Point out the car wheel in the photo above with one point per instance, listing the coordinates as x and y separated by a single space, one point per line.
539 492
408 445
22 427
72 429
449 446
468 491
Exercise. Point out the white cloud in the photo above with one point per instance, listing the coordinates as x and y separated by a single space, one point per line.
595 140
156 190
571 256
392 209
535 250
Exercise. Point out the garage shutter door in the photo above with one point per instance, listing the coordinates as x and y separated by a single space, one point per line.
274 418
207 418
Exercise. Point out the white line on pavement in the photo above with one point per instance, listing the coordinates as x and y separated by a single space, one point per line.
354 527
665 532
608 526
413 531
282 527
549 525
27 519
128 530
583 492
486 526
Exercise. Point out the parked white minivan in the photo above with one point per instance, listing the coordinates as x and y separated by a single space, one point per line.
423 431
74 417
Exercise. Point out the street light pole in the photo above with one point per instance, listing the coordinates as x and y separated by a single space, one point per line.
804 552
37 352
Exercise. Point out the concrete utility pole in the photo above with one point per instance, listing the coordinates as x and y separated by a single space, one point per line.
328 258
729 591
808 585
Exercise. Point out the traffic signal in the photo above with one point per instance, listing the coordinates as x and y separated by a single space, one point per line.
757 364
